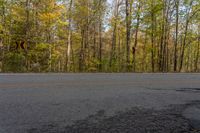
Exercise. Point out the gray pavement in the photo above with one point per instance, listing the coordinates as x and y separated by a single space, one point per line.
99 103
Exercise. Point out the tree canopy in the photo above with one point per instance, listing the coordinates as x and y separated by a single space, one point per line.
99 36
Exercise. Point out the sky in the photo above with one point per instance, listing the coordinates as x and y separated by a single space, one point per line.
110 1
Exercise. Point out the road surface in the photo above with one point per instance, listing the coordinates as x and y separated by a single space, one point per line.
99 103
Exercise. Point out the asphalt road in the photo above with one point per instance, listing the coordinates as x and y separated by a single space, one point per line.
99 103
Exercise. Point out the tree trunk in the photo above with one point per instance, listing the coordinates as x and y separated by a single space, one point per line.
2 39
152 37
100 38
114 35
176 41
100 46
81 53
68 64
27 29
128 32
136 37
197 55
185 37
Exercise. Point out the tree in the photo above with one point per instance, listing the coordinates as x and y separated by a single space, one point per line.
177 28
188 10
129 7
68 64
136 34
114 34
99 35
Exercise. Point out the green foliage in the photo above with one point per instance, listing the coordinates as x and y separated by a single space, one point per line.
95 31
14 62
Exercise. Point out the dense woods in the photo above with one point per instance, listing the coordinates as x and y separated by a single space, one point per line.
99 36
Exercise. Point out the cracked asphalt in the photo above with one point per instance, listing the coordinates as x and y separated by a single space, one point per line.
100 103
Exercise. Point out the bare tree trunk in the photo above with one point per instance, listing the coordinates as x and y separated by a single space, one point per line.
114 36
161 48
27 28
185 37
68 64
2 40
167 36
94 42
100 46
100 38
197 55
119 51
128 32
87 43
113 49
136 37
144 53
152 37
81 53
176 41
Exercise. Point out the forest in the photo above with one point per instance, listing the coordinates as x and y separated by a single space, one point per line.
99 36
